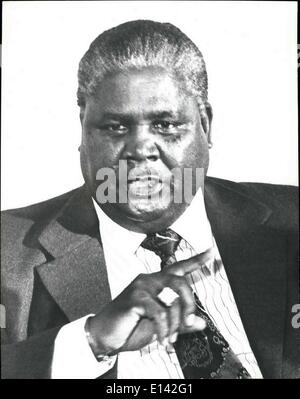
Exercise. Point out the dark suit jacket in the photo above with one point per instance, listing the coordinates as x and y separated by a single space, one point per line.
53 272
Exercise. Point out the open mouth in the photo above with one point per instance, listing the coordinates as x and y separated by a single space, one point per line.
144 186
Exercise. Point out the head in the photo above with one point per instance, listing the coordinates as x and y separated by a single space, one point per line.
143 101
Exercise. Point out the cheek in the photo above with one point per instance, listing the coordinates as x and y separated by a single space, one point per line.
101 153
191 151
86 165
199 150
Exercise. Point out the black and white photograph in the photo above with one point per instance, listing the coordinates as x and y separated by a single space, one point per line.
149 192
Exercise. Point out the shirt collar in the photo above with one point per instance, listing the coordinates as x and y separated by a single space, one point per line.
128 241
193 226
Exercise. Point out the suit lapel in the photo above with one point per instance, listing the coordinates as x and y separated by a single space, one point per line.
76 275
253 256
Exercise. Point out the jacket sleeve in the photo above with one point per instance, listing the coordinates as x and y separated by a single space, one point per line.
29 359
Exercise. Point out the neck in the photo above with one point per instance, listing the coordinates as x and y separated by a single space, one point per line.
146 224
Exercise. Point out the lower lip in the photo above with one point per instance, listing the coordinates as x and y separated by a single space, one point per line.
144 188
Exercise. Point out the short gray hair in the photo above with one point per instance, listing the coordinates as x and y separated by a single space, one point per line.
139 44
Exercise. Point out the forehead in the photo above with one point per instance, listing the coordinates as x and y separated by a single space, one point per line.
140 91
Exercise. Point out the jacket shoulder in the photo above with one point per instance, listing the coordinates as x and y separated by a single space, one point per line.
282 200
20 228
40 210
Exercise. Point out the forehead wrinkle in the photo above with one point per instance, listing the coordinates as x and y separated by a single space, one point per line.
119 107
127 113
138 101
149 109
138 96
136 83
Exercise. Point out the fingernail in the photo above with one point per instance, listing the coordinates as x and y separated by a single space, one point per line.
199 323
189 321
173 338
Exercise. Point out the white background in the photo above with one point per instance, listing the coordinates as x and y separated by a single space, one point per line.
250 50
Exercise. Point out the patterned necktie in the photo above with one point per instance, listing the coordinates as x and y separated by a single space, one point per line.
201 354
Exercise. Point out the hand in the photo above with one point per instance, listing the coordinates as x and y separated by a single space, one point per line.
137 317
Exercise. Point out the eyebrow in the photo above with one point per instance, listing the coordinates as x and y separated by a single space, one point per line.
129 117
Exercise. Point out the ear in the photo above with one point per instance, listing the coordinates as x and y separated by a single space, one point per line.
81 114
206 121
81 118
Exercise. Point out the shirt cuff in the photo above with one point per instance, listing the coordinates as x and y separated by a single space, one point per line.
73 358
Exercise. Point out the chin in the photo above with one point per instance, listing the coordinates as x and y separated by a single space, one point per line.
146 210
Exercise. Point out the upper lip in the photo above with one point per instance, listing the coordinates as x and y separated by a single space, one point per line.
144 178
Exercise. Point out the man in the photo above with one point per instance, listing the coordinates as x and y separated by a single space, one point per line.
144 285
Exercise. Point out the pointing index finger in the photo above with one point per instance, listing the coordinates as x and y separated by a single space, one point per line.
184 267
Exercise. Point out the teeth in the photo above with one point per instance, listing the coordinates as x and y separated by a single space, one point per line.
140 183
144 186
145 178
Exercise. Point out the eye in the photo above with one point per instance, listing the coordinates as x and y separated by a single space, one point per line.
115 128
165 126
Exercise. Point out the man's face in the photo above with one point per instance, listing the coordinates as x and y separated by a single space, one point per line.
148 120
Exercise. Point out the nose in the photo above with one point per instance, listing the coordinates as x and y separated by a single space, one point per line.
140 145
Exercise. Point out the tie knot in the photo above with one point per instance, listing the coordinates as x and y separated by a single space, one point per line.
164 244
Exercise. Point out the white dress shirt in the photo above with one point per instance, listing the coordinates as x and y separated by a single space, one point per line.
125 260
